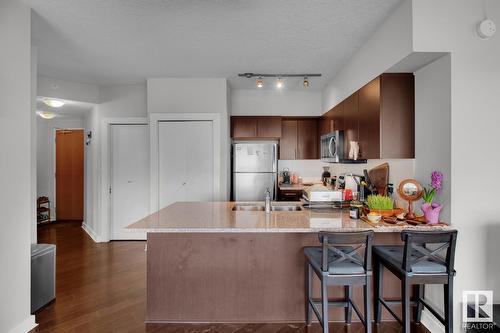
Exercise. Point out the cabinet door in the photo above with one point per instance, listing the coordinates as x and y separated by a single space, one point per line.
244 127
397 112
369 120
307 139
338 117
288 141
326 123
351 120
269 127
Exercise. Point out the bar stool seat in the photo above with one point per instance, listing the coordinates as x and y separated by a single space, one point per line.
394 256
315 256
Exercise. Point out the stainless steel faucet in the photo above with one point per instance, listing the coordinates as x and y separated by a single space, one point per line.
268 201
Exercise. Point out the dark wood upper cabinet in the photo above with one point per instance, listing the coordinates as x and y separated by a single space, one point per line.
288 141
269 127
243 127
380 116
397 115
338 117
307 139
369 119
255 127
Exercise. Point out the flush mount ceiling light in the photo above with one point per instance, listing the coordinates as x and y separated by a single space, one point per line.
53 103
280 83
46 114
260 83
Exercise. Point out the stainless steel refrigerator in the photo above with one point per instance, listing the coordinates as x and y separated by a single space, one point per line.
254 168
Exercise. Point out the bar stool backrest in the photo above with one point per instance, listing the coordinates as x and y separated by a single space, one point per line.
359 240
419 240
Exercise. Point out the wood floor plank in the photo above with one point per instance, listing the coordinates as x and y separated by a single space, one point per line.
101 287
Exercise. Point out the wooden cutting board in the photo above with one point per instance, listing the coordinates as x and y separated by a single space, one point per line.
379 177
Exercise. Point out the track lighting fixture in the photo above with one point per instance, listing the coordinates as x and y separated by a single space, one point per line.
280 83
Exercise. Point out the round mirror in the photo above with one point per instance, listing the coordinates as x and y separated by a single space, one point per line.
410 190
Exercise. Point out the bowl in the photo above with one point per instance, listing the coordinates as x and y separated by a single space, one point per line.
374 217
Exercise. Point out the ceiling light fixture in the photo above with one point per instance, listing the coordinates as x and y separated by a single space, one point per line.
279 83
53 103
260 83
46 114
306 82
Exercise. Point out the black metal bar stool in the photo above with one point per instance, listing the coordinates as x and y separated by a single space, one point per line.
337 262
427 257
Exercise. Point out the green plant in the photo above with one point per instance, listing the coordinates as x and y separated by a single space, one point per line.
429 194
380 202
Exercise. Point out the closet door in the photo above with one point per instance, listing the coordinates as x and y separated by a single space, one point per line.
129 178
185 161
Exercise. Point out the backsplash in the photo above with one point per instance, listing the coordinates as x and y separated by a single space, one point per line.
310 170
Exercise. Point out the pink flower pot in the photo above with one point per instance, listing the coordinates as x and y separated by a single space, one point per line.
431 212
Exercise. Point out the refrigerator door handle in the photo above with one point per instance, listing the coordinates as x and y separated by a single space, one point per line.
275 158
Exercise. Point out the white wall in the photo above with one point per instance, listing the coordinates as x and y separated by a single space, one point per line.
62 89
169 95
123 101
34 69
474 127
433 127
45 161
15 166
389 44
253 102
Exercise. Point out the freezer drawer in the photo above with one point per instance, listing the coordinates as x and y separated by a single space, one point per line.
255 157
252 186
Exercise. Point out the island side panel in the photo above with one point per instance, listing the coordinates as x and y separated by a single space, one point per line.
236 277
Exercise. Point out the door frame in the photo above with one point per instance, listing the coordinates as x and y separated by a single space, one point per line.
104 227
154 120
54 168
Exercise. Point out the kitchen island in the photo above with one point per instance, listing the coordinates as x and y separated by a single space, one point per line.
228 262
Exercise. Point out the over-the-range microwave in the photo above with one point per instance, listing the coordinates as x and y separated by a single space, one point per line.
332 147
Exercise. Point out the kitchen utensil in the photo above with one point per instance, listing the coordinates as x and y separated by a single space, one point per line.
379 177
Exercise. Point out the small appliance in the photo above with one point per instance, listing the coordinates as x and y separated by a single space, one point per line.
286 176
332 147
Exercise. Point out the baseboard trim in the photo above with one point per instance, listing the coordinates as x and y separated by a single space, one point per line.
90 232
27 325
431 323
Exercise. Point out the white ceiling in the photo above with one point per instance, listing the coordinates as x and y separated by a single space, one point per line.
127 41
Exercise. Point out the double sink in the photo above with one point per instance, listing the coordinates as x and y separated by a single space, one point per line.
261 208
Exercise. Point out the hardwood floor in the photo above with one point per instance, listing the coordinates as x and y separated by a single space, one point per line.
101 287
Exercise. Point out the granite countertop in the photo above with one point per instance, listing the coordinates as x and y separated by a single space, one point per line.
185 217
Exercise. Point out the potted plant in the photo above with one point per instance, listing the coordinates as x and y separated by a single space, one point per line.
380 204
430 208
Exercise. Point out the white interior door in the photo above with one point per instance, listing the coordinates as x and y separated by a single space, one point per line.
185 161
129 178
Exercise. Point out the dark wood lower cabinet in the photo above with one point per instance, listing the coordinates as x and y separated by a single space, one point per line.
289 195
